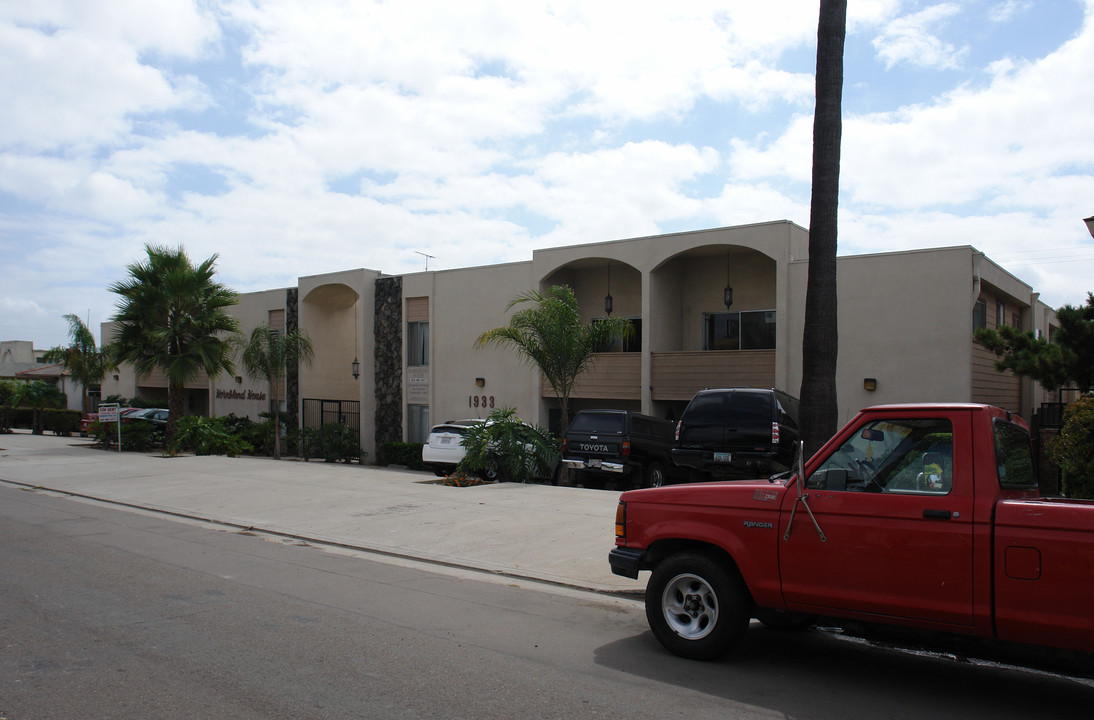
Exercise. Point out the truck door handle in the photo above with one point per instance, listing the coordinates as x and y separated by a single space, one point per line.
936 514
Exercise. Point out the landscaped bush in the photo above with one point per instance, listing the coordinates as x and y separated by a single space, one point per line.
332 442
137 436
61 422
17 417
517 451
1073 449
208 436
406 454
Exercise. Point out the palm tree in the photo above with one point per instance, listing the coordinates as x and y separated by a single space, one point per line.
86 363
820 342
551 336
38 395
172 316
268 354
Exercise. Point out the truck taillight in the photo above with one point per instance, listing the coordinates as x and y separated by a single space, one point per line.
621 520
564 446
626 447
774 433
678 431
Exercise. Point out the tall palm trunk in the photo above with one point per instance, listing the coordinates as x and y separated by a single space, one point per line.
819 413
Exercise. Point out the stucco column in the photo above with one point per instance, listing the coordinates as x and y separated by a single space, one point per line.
647 356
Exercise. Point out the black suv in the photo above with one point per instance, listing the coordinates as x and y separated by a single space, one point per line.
617 445
737 432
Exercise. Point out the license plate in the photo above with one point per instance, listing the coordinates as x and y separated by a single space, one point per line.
595 462
446 441
723 457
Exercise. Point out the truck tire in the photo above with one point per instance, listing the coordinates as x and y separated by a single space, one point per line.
695 607
653 474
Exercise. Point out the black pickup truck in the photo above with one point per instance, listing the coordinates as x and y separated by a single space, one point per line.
618 447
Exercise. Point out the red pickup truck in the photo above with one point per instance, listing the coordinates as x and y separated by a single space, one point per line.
921 516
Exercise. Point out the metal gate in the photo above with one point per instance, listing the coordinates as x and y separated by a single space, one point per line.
320 412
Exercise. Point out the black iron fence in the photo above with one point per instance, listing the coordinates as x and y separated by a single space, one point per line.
320 412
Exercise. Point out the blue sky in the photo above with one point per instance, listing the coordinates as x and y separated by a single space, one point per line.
299 138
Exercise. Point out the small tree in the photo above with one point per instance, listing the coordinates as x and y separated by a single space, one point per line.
85 362
1067 358
1073 449
38 395
504 446
552 336
268 354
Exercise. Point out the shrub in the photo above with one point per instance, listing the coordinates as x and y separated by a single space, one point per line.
208 436
1073 449
61 422
406 454
16 417
137 436
517 451
332 442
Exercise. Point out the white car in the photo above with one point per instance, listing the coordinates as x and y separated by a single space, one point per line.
445 448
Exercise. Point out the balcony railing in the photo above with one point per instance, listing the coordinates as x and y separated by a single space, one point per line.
675 375
679 375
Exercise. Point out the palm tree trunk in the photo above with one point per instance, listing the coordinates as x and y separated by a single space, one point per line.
819 409
176 402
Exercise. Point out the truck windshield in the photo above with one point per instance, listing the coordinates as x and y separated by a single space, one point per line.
1013 457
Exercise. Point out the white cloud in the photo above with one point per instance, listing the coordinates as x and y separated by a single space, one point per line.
909 40
347 133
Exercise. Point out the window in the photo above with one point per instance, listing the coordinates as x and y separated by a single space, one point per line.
905 455
1016 321
618 344
1013 457
1000 314
417 343
746 330
417 423
979 315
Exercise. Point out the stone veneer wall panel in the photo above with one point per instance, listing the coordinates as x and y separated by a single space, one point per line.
389 361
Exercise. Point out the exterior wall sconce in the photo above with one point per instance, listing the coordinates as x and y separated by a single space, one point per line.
239 380
608 303
356 368
480 382
115 377
869 384
727 296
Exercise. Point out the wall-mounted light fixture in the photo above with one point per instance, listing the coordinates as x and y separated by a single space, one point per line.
869 384
608 297
727 293
356 366
239 380
115 377
480 382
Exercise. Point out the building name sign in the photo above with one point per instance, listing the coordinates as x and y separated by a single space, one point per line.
240 395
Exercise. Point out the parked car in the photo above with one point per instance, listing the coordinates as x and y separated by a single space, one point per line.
85 423
444 450
737 432
617 445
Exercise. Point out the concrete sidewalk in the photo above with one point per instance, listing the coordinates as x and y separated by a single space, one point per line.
540 532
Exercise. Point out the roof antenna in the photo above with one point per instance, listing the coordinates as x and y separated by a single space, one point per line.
427 258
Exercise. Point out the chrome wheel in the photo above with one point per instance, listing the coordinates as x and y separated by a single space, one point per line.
690 606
